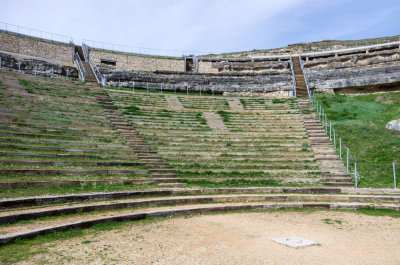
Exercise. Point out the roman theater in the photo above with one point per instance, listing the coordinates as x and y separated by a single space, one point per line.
279 156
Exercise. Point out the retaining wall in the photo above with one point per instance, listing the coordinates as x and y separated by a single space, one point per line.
135 62
31 46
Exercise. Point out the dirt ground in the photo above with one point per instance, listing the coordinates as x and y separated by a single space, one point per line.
237 238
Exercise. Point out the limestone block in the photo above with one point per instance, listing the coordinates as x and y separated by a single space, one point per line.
393 125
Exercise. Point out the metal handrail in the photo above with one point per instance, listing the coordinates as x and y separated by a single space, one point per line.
305 76
35 33
78 62
293 76
97 74
85 50
106 46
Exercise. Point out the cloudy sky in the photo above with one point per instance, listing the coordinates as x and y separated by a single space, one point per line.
206 25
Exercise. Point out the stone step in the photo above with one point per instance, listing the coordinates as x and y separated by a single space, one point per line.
339 184
35 172
75 163
162 170
58 149
176 185
348 180
31 154
159 175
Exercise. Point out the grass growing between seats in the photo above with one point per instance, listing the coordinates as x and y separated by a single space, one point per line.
248 183
2 86
69 189
360 120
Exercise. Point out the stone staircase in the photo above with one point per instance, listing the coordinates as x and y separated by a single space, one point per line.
89 75
301 87
326 155
160 171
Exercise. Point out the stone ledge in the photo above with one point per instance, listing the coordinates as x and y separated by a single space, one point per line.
35 214
187 211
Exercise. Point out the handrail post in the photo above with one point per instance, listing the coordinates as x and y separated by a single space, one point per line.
355 174
347 159
326 124
394 175
334 138
293 75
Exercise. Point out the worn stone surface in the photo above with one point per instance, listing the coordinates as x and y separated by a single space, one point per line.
295 242
393 125
339 78
267 81
44 68
215 122
352 70
173 102
235 104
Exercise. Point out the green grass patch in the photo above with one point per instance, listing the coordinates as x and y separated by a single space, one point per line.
224 115
132 110
360 121
278 101
2 86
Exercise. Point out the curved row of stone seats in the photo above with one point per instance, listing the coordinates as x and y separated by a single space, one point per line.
96 208
55 133
269 143
266 81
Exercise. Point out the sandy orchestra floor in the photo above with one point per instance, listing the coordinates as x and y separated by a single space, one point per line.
238 238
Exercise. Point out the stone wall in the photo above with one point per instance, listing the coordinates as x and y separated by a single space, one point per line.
352 70
58 52
133 62
18 63
218 82
136 62
206 67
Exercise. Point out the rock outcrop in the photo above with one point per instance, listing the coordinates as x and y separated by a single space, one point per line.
36 66
267 81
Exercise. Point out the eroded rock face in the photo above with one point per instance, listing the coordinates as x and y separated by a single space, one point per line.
35 66
393 125
267 81
353 70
